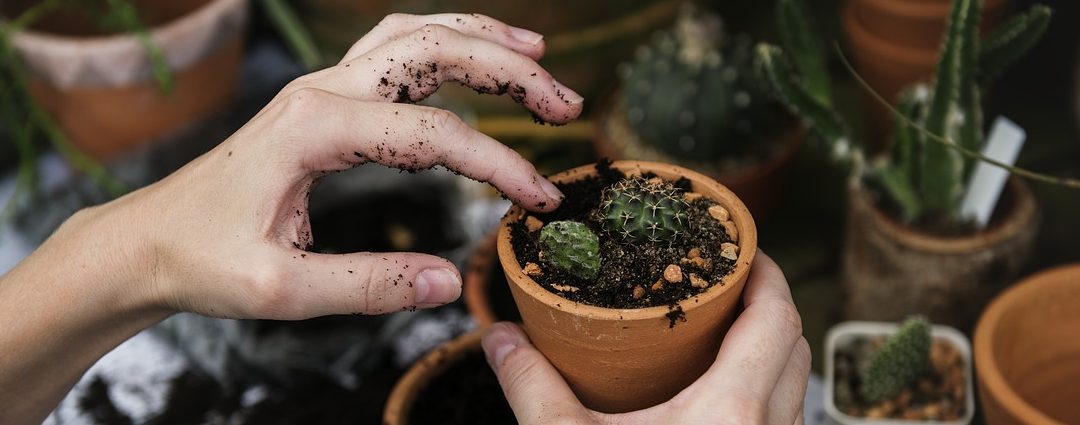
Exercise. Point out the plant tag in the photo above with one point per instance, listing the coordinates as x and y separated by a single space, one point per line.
987 181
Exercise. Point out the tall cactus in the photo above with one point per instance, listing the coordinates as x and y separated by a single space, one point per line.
693 93
925 178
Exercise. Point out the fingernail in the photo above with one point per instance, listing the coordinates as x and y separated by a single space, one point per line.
550 189
436 287
567 95
525 36
499 342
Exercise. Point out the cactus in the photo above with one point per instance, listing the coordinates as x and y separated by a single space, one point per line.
570 246
693 94
898 362
925 172
643 210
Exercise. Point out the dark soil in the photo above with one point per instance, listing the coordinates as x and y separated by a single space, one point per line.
626 265
97 404
938 394
468 393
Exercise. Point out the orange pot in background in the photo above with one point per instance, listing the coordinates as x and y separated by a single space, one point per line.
1027 351
618 360
99 87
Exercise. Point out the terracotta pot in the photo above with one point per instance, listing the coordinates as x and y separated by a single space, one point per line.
916 24
99 88
478 281
891 270
759 185
618 360
399 405
843 334
1027 354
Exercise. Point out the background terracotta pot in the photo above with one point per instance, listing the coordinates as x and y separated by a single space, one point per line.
477 284
399 405
626 359
758 185
916 23
99 87
891 271
1027 353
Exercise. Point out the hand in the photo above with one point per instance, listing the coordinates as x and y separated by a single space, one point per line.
759 376
225 235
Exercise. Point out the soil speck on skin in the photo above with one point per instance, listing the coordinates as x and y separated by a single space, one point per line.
626 265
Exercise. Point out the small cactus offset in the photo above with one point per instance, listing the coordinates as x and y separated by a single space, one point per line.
643 210
570 246
926 171
693 94
898 362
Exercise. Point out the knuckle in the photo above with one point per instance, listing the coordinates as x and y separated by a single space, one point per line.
739 409
789 317
803 354
520 370
270 293
447 123
430 33
394 19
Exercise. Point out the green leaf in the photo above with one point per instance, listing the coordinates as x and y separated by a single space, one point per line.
800 39
1012 40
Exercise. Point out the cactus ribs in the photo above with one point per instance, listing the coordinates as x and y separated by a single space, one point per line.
632 270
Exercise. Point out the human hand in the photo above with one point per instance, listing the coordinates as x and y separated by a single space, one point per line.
759 377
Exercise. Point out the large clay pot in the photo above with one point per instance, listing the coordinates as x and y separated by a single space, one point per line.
477 284
99 87
916 23
618 360
758 185
891 270
1027 353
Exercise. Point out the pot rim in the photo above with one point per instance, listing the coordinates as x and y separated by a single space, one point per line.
747 243
1020 214
421 373
990 378
32 37
855 327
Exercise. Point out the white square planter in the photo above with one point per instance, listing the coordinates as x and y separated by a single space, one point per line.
843 333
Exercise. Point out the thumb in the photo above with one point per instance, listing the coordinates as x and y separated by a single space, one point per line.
535 390
367 283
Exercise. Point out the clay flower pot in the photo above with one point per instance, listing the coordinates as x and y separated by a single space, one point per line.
891 270
618 360
402 404
845 333
1027 354
99 87
758 185
487 296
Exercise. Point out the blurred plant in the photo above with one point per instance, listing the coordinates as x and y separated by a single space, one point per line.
643 210
694 94
898 362
939 128
570 246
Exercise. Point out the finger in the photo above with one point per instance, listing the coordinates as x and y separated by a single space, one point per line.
756 349
312 285
333 132
787 399
410 68
399 25
535 390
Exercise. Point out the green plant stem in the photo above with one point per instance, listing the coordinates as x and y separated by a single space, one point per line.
31 15
296 34
1032 175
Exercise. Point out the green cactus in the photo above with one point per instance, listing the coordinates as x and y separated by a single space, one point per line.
925 178
693 94
643 210
898 362
570 246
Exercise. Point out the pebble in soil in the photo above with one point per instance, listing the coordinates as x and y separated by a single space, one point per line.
628 267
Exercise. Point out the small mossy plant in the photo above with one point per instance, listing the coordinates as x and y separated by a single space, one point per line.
939 127
898 363
643 210
570 246
693 93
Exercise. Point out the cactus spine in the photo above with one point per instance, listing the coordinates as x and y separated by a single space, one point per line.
643 210
898 362
925 178
693 94
570 246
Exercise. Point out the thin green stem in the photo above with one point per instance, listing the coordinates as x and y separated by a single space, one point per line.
1032 175
35 12
296 34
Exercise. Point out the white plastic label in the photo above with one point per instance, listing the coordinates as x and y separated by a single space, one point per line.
987 181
